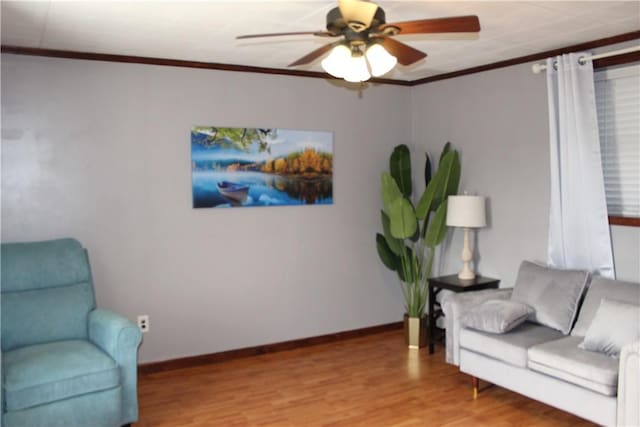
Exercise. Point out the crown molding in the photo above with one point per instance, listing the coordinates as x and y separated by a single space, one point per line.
106 57
93 56
620 38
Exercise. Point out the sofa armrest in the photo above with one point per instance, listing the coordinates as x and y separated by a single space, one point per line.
454 306
629 386
119 338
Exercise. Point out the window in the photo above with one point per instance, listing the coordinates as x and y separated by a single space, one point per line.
618 106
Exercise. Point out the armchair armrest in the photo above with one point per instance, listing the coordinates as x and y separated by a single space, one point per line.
629 386
119 338
113 333
454 306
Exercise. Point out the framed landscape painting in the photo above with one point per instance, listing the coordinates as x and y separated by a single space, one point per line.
238 167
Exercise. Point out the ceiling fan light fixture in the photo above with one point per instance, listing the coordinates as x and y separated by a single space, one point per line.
363 29
338 61
357 70
380 61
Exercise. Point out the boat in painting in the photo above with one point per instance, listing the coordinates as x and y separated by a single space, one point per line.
235 193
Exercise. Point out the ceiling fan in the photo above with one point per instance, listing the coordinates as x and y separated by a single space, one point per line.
366 46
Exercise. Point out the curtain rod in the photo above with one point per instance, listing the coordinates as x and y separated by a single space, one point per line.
538 68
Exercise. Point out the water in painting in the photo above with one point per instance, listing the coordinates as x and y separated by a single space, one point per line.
233 167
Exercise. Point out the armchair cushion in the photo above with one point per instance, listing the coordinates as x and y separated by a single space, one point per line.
52 314
47 292
37 265
44 373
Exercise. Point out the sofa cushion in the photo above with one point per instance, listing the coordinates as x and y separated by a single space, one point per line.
602 338
510 347
45 373
496 316
563 359
600 288
553 293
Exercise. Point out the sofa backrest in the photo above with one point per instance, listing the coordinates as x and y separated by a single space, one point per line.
47 292
600 288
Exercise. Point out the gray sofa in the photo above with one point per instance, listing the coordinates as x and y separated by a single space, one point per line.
547 364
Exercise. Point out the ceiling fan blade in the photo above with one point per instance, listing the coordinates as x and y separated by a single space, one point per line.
314 55
357 14
406 54
296 33
454 24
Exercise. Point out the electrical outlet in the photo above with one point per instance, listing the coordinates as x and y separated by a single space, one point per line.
143 322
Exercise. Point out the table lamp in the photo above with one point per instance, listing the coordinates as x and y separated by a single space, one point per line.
467 212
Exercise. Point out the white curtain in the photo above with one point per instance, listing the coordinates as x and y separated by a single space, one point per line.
579 235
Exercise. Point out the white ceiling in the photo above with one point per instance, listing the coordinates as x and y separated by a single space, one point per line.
205 30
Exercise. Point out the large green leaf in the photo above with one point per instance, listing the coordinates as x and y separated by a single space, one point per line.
444 182
402 218
390 191
416 235
389 259
447 177
435 191
406 266
425 225
400 168
454 177
394 244
438 227
445 150
424 204
427 169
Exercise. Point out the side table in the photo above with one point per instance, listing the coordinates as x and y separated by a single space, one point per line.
452 283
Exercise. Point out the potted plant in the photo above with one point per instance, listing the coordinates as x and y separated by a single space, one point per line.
411 234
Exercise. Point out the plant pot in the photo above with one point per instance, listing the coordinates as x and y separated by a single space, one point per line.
415 331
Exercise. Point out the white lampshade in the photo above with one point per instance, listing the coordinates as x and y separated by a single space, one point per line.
466 211
357 70
338 61
380 61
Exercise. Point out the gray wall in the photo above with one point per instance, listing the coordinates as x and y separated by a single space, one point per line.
101 152
498 120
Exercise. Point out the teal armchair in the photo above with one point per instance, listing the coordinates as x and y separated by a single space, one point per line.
64 362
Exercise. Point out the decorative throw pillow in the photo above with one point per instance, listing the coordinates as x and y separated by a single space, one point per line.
599 289
553 293
496 316
614 325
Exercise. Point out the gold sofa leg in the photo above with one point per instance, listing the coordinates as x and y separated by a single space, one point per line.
475 382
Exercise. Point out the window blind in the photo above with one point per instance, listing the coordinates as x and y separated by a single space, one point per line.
618 106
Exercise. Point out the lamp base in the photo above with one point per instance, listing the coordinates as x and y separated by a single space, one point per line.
466 275
467 256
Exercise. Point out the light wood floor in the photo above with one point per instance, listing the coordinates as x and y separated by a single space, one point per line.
369 381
